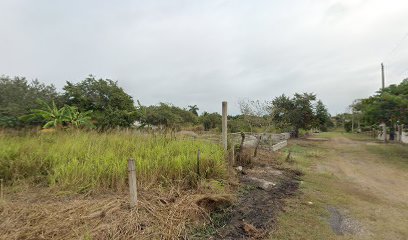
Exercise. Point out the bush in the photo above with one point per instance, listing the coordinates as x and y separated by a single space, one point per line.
347 126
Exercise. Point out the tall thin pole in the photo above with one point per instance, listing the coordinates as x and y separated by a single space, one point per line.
1 189
382 76
132 182
224 125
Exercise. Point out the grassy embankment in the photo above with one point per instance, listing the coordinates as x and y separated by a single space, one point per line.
86 161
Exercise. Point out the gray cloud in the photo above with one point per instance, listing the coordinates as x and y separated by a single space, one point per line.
203 52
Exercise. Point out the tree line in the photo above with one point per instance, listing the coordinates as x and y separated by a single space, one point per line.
388 106
285 113
103 104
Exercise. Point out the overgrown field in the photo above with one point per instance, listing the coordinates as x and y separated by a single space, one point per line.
86 161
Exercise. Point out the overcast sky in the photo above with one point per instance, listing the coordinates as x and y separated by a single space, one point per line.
204 52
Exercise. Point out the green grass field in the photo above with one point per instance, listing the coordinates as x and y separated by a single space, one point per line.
85 161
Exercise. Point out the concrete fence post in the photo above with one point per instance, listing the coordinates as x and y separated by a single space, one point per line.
399 133
224 125
384 129
132 182
1 189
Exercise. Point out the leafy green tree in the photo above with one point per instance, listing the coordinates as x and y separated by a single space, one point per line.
18 97
387 106
323 118
165 115
294 113
111 106
238 123
210 120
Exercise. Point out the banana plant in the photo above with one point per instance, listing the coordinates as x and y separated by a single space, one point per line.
54 116
59 117
76 118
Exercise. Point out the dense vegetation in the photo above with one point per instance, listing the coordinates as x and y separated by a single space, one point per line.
110 105
284 113
103 104
107 105
82 161
18 97
389 106
300 112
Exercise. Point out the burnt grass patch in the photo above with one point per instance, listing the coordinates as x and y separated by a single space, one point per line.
255 212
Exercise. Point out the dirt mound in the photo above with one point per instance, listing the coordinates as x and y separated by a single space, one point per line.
213 203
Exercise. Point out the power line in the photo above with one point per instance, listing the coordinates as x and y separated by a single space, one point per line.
396 46
391 53
405 71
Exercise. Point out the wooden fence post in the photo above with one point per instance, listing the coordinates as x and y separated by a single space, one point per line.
224 125
132 182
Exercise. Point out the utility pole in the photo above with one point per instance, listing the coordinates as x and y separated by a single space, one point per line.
382 76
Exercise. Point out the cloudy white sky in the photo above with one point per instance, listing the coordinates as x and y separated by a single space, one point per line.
203 52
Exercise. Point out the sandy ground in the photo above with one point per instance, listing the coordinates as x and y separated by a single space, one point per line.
378 188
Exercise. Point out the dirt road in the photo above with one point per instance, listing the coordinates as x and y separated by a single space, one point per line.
374 178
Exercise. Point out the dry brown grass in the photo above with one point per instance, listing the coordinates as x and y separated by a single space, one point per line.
160 214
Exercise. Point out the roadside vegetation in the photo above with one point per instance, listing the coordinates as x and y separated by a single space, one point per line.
388 106
85 161
63 155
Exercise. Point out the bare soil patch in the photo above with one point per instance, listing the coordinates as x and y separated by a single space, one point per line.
263 190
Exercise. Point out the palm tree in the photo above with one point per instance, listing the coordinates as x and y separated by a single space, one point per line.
194 109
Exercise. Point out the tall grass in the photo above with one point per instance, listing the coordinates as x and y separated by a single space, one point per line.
82 161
